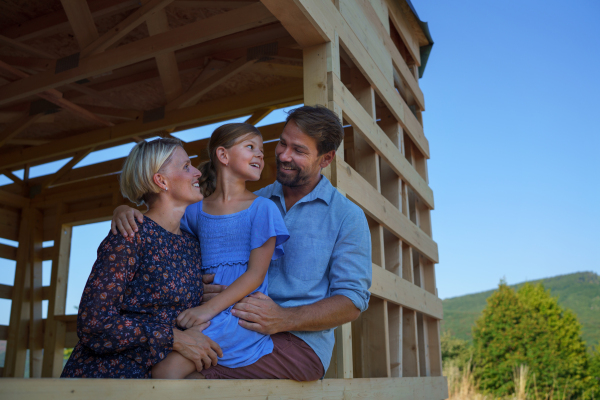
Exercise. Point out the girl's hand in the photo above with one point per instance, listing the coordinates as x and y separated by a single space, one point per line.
194 316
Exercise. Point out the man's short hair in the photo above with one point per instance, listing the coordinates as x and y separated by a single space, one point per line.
321 124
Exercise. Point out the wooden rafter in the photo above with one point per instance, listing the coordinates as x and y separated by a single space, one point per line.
207 29
12 176
81 20
9 116
58 22
199 88
16 127
242 104
259 115
120 30
165 62
54 96
77 157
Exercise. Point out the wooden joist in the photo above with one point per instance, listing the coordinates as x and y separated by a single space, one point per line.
81 20
203 86
188 35
57 22
56 97
17 126
165 62
281 95
120 30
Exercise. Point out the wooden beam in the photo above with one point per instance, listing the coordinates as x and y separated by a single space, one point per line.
226 4
199 89
401 24
329 19
389 286
25 48
242 104
119 31
9 253
57 22
54 96
188 35
380 209
13 200
36 328
165 62
81 20
13 129
297 22
14 364
77 157
259 115
54 335
397 60
287 70
6 292
10 116
377 388
379 141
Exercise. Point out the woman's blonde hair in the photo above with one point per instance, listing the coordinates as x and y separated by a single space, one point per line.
224 136
145 160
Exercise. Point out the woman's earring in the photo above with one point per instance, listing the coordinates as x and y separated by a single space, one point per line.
166 188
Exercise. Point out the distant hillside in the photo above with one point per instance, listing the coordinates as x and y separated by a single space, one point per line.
579 291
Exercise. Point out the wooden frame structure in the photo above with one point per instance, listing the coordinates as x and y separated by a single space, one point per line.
79 76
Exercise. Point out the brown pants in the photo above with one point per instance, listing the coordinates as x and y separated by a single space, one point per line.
291 358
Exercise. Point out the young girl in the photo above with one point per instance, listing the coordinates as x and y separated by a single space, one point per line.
239 234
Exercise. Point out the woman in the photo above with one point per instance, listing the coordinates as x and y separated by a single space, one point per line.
139 284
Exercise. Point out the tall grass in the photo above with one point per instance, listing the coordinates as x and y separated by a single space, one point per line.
462 385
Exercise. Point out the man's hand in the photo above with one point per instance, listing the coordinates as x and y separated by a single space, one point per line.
210 290
197 347
260 313
124 220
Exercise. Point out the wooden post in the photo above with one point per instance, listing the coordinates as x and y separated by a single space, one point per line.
36 328
320 61
54 338
16 344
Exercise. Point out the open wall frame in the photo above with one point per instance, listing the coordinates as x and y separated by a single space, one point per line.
79 76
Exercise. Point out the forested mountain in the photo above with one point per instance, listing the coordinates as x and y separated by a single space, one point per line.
579 291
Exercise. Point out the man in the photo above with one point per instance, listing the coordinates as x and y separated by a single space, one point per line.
321 282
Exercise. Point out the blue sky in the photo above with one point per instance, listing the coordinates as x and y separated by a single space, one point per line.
511 90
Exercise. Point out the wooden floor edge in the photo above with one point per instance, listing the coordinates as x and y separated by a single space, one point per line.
380 388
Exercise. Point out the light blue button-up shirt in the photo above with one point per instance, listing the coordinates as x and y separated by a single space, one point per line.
328 254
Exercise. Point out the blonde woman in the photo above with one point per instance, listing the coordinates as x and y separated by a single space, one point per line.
139 284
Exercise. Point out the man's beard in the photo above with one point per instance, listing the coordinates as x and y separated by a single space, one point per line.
291 180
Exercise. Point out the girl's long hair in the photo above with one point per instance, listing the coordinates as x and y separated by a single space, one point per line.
224 136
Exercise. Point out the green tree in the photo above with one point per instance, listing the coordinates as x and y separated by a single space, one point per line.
455 351
529 327
593 391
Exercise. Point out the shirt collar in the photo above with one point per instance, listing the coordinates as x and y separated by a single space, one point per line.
323 191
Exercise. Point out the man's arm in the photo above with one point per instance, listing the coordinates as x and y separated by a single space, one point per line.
261 314
349 281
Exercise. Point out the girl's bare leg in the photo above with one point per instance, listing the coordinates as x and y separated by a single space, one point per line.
174 366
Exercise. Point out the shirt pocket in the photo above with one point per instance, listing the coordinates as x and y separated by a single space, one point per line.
308 261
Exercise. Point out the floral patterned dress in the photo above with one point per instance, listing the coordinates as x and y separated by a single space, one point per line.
137 288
